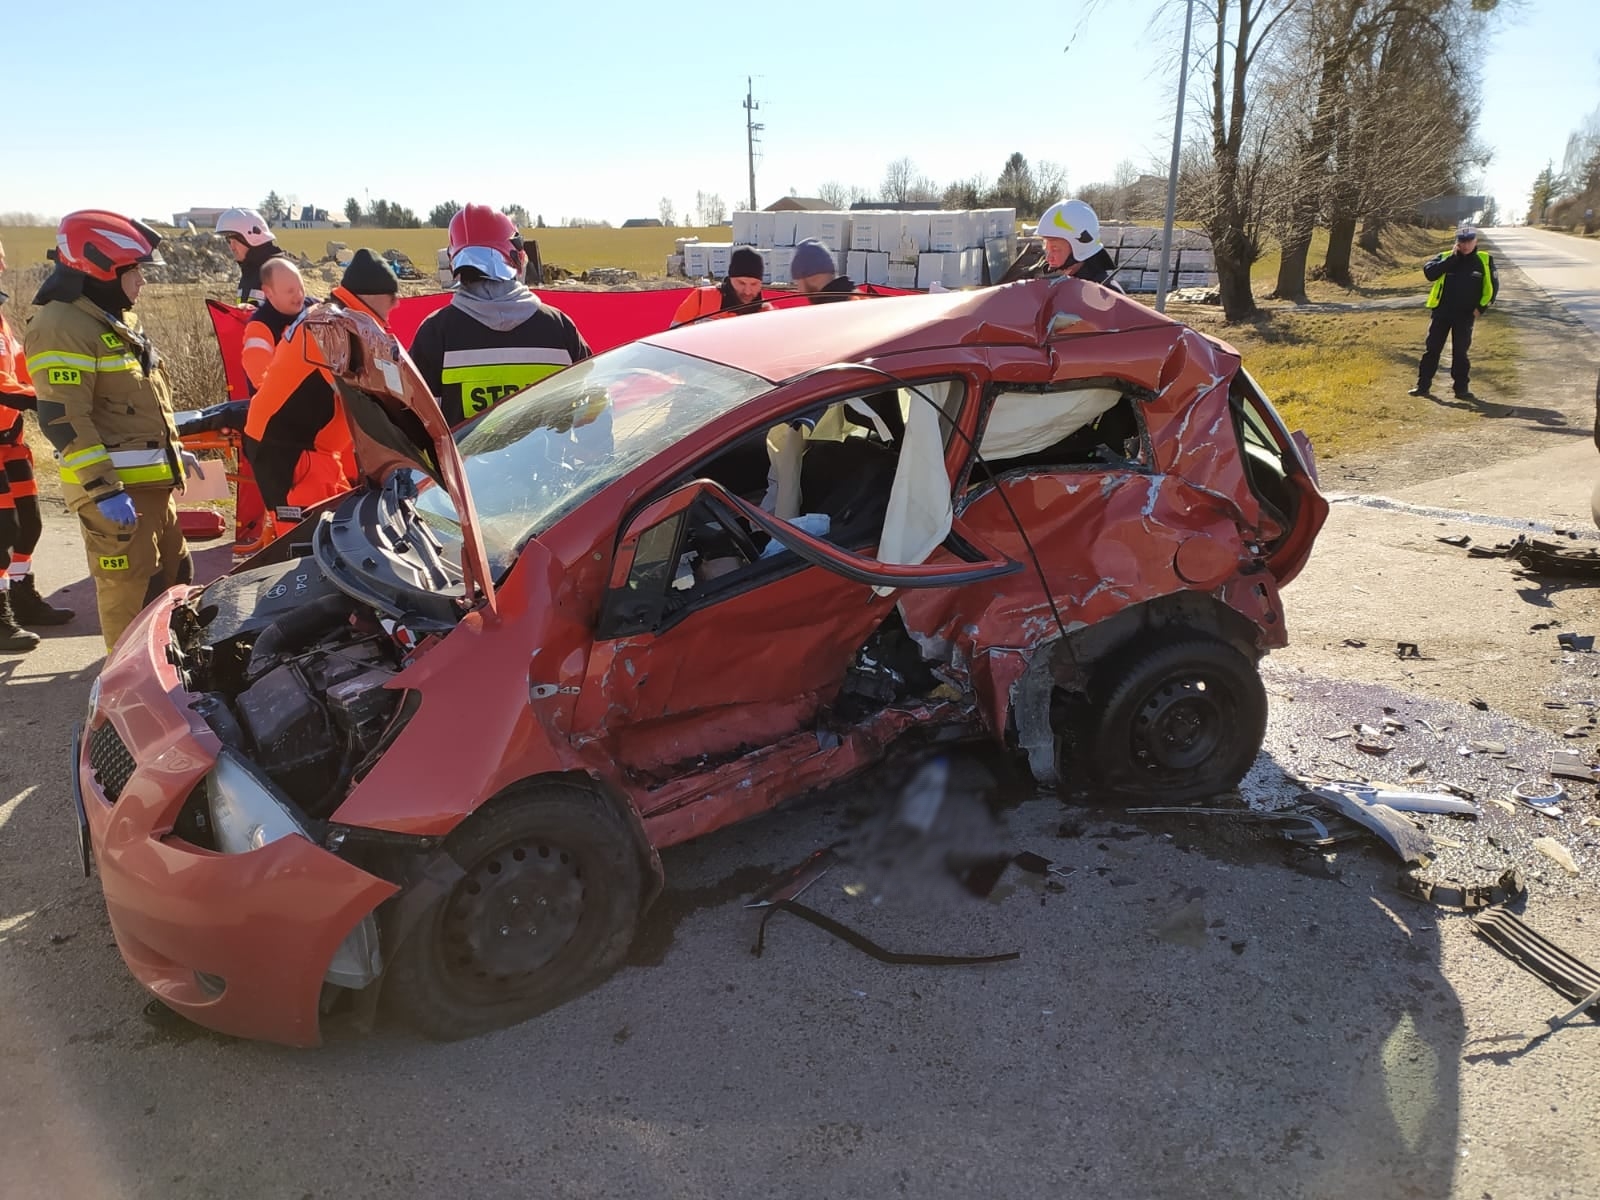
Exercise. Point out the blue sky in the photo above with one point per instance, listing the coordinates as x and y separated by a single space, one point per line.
603 111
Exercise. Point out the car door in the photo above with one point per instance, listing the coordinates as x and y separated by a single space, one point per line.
680 677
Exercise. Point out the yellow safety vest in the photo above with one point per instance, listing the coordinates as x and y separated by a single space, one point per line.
1488 284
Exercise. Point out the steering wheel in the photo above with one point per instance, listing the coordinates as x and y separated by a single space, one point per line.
742 541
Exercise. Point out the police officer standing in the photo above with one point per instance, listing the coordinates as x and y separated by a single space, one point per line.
104 403
1464 285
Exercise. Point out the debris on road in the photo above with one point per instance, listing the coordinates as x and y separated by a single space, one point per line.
1401 834
1557 853
1407 650
1459 540
1569 765
1568 975
1575 641
866 945
1472 898
1543 796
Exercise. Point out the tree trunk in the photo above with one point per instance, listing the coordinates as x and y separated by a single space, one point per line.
1292 271
1341 236
1233 280
1371 231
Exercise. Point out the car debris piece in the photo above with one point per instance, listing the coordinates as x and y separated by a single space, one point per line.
1374 748
1416 766
1568 765
1575 731
1470 897
1592 1000
1399 832
1480 705
1459 540
1484 747
1540 791
1407 650
1339 736
1355 643
866 945
1393 725
1401 801
796 880
1575 641
1367 731
1526 947
1557 853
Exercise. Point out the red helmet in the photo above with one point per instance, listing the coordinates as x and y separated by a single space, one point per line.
100 243
487 240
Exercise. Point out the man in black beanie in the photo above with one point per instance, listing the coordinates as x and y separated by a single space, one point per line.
815 273
296 436
739 293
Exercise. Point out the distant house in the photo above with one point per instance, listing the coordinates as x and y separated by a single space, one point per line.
310 218
799 204
1449 210
642 223
200 218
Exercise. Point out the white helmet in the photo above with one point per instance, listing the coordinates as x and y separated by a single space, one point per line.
246 223
1075 222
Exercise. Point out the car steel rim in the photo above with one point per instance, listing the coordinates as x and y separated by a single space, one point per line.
512 916
1181 724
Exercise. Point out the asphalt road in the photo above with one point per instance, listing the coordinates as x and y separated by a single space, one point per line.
1196 1011
1566 267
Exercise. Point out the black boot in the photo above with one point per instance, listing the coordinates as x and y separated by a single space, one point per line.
30 608
12 636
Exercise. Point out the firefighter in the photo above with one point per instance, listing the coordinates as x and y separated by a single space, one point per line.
104 404
738 293
495 337
20 522
1070 231
815 272
250 242
296 436
283 299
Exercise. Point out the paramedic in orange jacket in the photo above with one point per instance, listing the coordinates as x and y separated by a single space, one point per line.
284 299
296 436
739 293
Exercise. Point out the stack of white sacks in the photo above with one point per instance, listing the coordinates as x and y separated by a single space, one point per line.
893 249
1137 249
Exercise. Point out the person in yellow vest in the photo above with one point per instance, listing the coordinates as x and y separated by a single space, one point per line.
739 292
104 403
1464 285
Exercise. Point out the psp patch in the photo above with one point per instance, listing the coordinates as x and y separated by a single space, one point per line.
66 376
113 562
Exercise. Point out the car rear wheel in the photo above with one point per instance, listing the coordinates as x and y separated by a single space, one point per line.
545 910
1175 720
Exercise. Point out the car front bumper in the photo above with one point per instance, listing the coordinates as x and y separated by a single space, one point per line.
239 943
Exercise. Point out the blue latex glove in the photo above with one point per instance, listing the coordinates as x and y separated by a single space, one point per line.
119 510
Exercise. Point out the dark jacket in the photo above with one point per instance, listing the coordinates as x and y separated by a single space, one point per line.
1097 268
471 367
250 271
1463 281
840 288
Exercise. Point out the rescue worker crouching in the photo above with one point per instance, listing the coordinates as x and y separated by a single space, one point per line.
1070 231
105 405
250 242
295 435
815 273
738 293
495 337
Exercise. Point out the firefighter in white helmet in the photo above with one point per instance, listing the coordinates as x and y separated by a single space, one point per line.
1071 234
250 242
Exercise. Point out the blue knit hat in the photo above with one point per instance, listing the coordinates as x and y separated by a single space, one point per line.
811 257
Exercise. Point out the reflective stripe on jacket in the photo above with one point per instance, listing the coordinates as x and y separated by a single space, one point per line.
471 367
14 381
104 402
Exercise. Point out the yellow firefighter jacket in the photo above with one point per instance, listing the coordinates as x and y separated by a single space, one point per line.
103 400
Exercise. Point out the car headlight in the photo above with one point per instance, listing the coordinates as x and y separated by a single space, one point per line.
94 703
247 812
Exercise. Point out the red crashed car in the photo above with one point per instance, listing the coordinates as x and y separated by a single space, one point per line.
436 737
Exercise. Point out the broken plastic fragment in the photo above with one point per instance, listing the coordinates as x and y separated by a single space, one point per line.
1575 641
1558 853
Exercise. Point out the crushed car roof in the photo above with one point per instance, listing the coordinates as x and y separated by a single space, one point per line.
793 340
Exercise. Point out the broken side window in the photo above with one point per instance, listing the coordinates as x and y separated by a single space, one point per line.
1086 425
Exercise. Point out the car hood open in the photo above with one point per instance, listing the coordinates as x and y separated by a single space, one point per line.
394 420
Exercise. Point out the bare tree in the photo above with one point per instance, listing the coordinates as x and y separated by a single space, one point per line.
1049 185
898 177
834 194
664 210
710 209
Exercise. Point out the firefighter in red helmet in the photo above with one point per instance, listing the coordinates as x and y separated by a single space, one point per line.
104 404
495 337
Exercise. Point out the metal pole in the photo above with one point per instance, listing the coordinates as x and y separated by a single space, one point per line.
750 128
1165 277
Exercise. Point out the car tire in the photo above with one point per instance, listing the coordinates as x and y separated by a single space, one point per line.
1176 720
546 908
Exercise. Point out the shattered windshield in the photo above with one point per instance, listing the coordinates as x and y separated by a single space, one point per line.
532 459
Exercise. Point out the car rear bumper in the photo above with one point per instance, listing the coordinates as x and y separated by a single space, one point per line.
236 942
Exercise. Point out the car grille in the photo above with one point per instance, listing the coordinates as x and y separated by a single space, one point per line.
113 765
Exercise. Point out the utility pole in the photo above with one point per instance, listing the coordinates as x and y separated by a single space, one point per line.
1164 278
750 131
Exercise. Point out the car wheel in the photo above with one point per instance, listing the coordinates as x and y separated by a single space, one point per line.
545 909
1178 720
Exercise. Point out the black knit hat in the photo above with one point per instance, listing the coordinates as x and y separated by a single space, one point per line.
746 263
369 275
